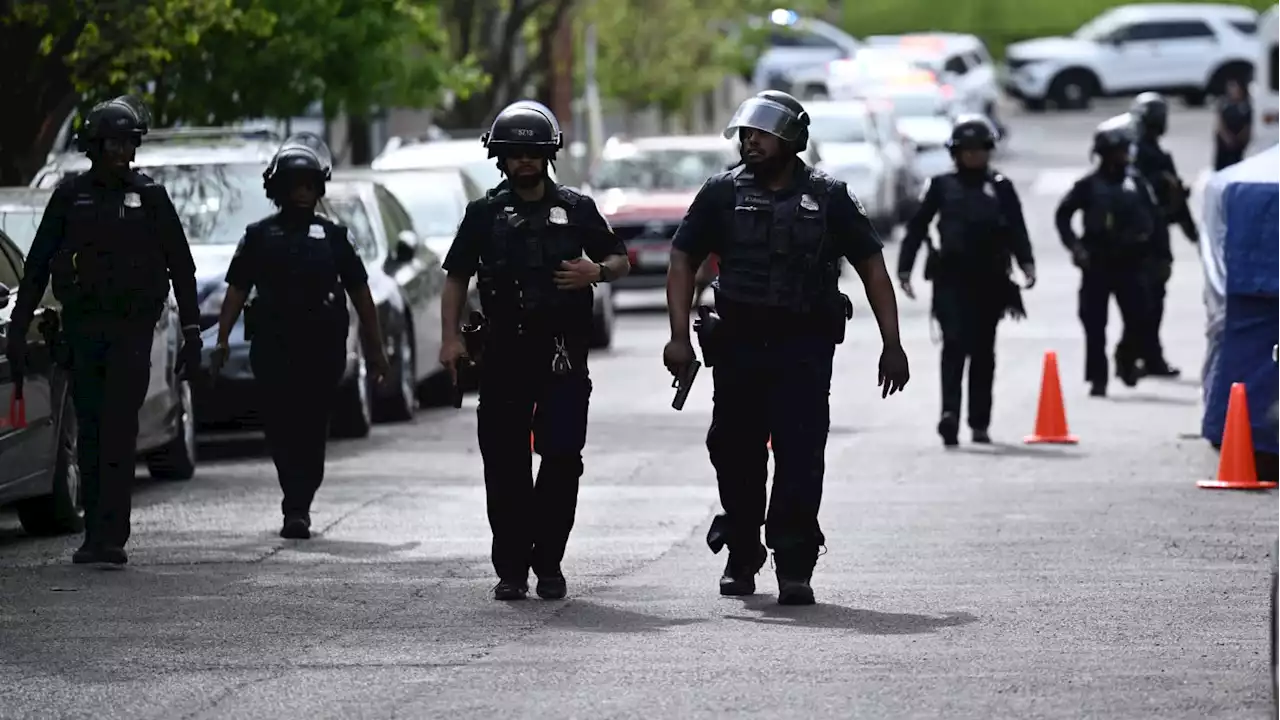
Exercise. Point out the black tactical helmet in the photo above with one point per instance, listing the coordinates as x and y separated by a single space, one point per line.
1114 134
1152 112
773 112
301 153
972 132
123 117
524 125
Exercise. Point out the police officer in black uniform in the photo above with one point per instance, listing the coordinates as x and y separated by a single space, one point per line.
1150 112
1120 220
304 267
113 243
780 229
980 226
526 240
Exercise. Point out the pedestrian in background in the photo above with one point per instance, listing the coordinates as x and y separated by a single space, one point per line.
1233 127
304 267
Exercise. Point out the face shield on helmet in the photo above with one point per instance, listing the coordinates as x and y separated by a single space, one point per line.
766 116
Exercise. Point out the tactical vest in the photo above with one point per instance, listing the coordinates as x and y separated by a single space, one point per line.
111 261
777 256
1119 214
516 279
300 292
972 226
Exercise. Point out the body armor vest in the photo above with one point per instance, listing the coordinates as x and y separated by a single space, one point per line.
301 291
972 227
1119 214
777 256
518 263
111 262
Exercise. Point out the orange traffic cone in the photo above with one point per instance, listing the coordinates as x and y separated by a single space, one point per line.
1051 418
1236 469
17 418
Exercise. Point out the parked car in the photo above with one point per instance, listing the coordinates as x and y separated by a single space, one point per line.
854 151
407 282
1265 90
923 114
214 176
850 78
644 188
472 158
796 43
1188 49
959 62
38 464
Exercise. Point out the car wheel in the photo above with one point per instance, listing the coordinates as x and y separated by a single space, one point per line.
1073 90
177 459
61 511
401 405
602 325
353 415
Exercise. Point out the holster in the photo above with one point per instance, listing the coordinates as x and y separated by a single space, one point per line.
930 260
251 319
707 327
843 313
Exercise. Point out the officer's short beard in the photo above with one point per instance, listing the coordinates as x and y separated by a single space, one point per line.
769 166
527 182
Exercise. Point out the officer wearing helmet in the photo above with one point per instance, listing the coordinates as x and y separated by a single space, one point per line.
113 244
980 228
303 266
537 248
1150 112
1120 220
780 230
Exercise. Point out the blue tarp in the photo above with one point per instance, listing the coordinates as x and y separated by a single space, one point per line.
1242 293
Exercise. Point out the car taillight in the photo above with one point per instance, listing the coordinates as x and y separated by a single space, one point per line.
1270 118
948 92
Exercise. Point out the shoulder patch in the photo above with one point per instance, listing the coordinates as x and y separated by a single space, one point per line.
856 202
568 195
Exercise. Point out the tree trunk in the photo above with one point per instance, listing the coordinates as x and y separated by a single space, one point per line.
359 140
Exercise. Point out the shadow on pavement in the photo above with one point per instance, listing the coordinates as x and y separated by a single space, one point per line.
590 617
346 548
1153 399
838 617
1012 450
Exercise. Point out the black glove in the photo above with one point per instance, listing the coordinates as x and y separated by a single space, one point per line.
188 354
16 353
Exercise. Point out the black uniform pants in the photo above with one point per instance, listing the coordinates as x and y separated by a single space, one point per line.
110 373
1127 282
519 394
297 394
1156 275
772 387
968 315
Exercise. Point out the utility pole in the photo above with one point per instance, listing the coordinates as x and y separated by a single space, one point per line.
561 80
595 119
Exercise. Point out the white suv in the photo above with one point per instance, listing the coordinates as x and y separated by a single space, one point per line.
1189 50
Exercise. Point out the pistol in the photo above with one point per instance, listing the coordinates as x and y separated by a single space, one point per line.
473 337
683 383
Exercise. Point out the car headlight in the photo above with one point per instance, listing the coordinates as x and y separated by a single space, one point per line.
212 303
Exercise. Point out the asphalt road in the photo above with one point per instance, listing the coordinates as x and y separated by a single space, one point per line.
1092 581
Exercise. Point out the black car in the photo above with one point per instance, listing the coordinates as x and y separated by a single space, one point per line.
214 177
38 464
407 282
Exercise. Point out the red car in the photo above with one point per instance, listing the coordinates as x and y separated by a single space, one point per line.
644 188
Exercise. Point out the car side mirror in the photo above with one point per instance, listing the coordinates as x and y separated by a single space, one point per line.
406 246
5 294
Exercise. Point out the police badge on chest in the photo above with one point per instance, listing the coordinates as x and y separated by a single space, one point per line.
132 200
558 216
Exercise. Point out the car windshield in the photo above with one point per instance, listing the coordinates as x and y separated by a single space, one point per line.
838 127
214 202
1097 28
434 202
665 170
20 224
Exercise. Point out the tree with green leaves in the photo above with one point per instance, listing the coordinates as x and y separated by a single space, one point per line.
666 53
214 61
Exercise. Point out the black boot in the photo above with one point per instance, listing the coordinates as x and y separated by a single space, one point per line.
112 555
86 555
552 586
1162 369
949 429
510 590
296 527
794 590
739 578
1098 390
981 436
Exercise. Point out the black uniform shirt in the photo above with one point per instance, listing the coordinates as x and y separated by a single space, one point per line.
463 259
709 221
109 194
260 260
918 226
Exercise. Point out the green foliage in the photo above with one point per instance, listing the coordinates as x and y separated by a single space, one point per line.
997 22
665 53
